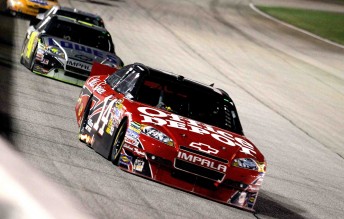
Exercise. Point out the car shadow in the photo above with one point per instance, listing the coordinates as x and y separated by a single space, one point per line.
277 206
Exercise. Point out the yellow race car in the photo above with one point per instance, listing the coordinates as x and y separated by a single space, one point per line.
29 7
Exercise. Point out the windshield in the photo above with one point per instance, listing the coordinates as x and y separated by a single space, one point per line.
80 34
190 100
81 17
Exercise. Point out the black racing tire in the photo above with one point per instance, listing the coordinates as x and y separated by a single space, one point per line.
118 142
32 60
85 115
21 60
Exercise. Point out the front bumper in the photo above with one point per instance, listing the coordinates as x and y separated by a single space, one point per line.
51 67
229 192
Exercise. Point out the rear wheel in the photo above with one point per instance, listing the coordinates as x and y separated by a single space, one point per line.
118 143
84 120
85 115
21 60
33 59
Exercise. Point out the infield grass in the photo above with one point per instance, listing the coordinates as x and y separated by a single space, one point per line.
329 25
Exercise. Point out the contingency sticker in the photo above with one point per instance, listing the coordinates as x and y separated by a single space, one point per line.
138 165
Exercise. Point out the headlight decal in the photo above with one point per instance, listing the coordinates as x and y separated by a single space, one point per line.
56 51
246 163
158 135
64 56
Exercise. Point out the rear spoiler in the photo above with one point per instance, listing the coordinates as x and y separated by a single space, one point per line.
100 69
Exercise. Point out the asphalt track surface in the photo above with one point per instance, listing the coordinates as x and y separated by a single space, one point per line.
288 87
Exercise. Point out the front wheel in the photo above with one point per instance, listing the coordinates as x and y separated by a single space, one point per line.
118 143
33 60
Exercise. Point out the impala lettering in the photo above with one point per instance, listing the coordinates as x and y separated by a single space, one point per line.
80 65
202 161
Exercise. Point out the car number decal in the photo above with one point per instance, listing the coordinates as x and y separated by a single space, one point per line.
30 44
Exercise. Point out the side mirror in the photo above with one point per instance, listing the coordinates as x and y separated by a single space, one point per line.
129 96
40 16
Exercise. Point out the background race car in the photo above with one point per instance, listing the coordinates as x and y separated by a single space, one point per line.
72 13
172 130
65 49
29 7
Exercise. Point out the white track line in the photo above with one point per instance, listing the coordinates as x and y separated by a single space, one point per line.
293 27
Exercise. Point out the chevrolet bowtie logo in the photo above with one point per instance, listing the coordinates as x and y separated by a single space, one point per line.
204 148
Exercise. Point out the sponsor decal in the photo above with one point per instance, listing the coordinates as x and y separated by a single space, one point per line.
125 159
204 148
139 152
202 161
118 113
81 48
90 122
80 65
119 104
93 82
127 146
160 118
83 58
138 165
110 127
242 198
88 128
251 199
136 127
131 141
135 150
41 2
99 89
45 61
132 134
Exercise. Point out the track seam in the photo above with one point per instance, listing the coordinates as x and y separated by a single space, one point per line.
253 7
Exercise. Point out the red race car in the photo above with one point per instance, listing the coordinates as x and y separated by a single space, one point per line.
173 130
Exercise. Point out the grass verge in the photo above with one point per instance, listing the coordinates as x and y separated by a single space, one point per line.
329 25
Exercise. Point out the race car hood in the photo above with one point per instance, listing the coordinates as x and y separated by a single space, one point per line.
79 52
196 136
40 3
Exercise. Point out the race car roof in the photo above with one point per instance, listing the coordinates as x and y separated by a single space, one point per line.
172 76
72 20
74 10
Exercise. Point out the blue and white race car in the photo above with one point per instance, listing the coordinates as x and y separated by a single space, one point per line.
65 49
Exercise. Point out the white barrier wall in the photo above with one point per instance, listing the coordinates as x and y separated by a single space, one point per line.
25 193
